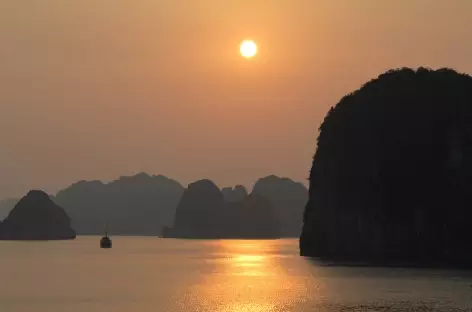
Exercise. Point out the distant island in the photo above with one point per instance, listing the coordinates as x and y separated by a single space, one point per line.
146 204
203 212
288 199
392 175
136 205
273 209
36 217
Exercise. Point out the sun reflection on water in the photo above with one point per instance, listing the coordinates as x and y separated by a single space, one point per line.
250 263
248 259
247 276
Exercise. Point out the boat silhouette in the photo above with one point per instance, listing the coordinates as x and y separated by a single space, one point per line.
105 241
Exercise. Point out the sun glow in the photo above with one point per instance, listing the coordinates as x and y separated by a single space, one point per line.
248 48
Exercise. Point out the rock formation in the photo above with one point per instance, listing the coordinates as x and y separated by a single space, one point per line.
392 175
145 204
36 217
135 205
236 194
288 199
204 213
6 205
253 217
198 212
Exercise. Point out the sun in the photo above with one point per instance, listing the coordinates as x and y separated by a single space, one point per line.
248 48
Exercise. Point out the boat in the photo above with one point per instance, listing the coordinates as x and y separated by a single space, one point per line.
105 241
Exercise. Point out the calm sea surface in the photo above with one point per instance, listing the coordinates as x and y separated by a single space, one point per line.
151 274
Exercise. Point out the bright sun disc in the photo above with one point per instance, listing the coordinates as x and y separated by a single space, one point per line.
248 48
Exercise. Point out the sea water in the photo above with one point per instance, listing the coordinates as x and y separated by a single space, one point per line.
142 274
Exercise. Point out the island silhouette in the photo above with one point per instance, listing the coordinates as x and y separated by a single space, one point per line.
203 212
146 204
36 217
392 174
132 205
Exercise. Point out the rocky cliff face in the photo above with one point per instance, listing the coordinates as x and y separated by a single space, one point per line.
204 213
36 217
134 205
392 175
6 205
257 218
236 194
199 211
288 198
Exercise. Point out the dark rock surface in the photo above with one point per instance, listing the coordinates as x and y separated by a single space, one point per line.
146 205
204 213
391 180
6 205
288 198
198 212
134 205
37 217
238 193
253 217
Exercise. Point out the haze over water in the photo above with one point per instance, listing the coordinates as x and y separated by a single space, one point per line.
99 89
151 274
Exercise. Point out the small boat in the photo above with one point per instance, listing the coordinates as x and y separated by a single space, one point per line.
105 241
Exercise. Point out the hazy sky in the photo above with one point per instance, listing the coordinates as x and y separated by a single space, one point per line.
95 89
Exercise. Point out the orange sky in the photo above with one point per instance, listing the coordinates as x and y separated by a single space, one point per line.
97 89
